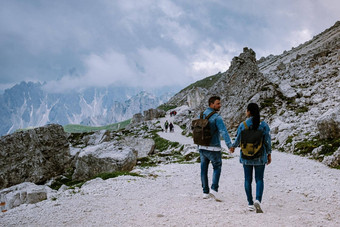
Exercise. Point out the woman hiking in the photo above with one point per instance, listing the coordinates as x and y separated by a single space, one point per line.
258 160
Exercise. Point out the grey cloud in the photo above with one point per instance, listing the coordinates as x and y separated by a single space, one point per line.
148 42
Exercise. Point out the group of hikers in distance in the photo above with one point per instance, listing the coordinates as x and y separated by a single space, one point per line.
169 126
253 136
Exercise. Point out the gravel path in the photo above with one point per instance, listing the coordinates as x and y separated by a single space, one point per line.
298 192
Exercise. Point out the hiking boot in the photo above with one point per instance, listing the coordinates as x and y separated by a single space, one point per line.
251 207
206 195
257 205
216 195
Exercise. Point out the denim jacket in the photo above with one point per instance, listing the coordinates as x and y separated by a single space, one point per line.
267 145
217 128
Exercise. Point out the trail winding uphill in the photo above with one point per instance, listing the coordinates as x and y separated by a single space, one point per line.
298 192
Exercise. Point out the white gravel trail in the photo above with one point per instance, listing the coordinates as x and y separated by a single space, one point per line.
298 192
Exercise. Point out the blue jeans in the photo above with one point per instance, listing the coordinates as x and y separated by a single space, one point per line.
248 178
215 157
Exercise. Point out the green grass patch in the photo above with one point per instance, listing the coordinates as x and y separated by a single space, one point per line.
146 162
106 176
83 128
163 144
290 139
166 107
226 156
267 102
72 184
307 146
301 110
204 83
66 181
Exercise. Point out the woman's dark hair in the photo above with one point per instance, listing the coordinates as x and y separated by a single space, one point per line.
254 110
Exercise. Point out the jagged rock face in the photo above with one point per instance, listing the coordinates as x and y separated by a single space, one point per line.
293 89
34 155
306 87
237 87
195 96
242 82
191 97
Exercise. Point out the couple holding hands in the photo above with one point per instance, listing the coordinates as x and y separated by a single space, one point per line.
212 153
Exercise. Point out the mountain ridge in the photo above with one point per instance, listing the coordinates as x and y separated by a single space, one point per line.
296 91
28 105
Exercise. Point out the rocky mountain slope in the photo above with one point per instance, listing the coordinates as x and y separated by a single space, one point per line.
28 105
298 91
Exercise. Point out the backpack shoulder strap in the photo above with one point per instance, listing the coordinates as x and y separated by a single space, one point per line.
201 115
245 125
212 113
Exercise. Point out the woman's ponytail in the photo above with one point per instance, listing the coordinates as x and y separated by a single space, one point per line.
254 110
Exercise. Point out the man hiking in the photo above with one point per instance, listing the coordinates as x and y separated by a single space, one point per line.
166 125
212 153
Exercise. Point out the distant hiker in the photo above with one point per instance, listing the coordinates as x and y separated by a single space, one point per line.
171 127
212 153
166 125
256 158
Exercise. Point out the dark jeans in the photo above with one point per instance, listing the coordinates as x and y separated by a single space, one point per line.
215 157
248 178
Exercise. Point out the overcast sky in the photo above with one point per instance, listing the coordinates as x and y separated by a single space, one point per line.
73 44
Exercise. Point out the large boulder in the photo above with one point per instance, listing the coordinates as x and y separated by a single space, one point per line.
24 193
34 155
143 146
105 157
329 124
151 114
137 118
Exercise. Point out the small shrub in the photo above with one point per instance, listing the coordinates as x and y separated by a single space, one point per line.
267 102
307 146
166 107
301 110
290 139
106 176
146 162
163 144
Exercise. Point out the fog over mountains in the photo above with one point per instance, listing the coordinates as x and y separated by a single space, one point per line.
294 89
28 105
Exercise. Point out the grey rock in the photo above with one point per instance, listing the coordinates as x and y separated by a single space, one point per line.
143 146
24 193
34 155
137 118
103 158
329 124
151 114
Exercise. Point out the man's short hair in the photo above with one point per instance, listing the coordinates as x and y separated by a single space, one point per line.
212 99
